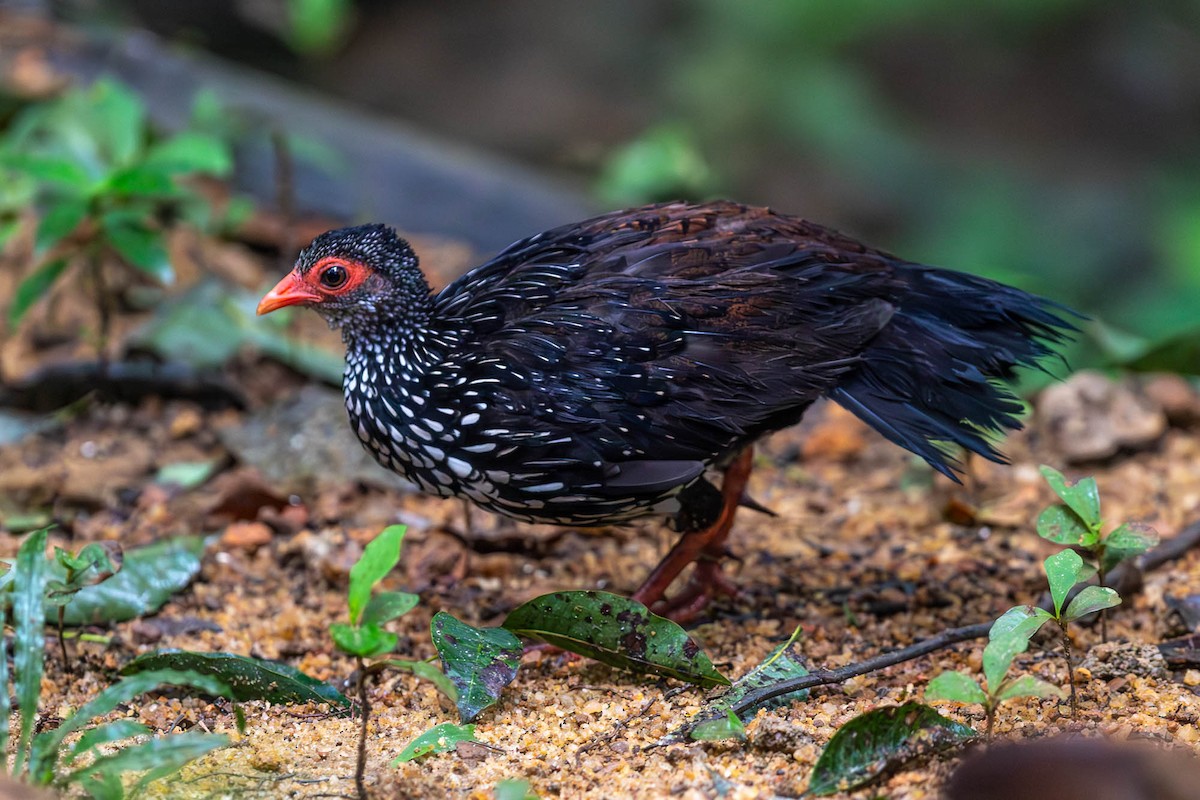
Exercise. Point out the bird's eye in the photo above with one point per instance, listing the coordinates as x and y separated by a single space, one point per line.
334 276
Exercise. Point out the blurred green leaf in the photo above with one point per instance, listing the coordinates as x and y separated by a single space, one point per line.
142 181
107 733
1003 646
149 577
1029 686
190 152
664 163
156 758
955 687
61 172
438 739
187 474
316 27
46 745
513 789
34 287
59 221
137 243
715 730
118 121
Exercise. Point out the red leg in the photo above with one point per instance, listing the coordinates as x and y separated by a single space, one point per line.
705 548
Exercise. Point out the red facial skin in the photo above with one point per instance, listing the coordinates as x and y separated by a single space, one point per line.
306 288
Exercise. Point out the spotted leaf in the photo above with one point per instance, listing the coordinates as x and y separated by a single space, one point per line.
616 631
480 662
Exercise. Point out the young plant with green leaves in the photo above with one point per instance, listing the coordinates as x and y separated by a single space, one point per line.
1004 644
1076 522
103 186
97 762
1064 570
363 636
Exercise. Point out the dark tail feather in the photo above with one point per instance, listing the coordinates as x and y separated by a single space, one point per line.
938 374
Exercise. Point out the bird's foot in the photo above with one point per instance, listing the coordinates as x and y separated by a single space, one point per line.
708 582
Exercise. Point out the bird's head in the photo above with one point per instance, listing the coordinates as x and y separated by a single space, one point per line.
350 274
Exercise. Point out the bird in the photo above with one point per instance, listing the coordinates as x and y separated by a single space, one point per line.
618 367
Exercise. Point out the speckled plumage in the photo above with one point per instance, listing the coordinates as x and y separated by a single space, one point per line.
593 373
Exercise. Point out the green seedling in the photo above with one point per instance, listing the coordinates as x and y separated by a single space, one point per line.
363 636
45 759
1004 644
1076 522
1064 571
69 574
104 188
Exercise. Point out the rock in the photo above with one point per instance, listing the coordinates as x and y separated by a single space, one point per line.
302 441
1090 417
1175 396
246 536
1118 659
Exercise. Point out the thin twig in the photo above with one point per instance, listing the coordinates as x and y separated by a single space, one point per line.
360 770
823 677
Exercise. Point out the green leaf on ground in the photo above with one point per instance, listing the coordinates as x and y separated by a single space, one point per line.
429 672
1029 686
480 662
784 662
438 739
880 741
957 687
149 577
379 557
29 638
46 744
714 730
157 758
115 731
248 678
514 789
616 631
187 474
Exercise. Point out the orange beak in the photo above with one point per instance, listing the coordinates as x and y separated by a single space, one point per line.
290 291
